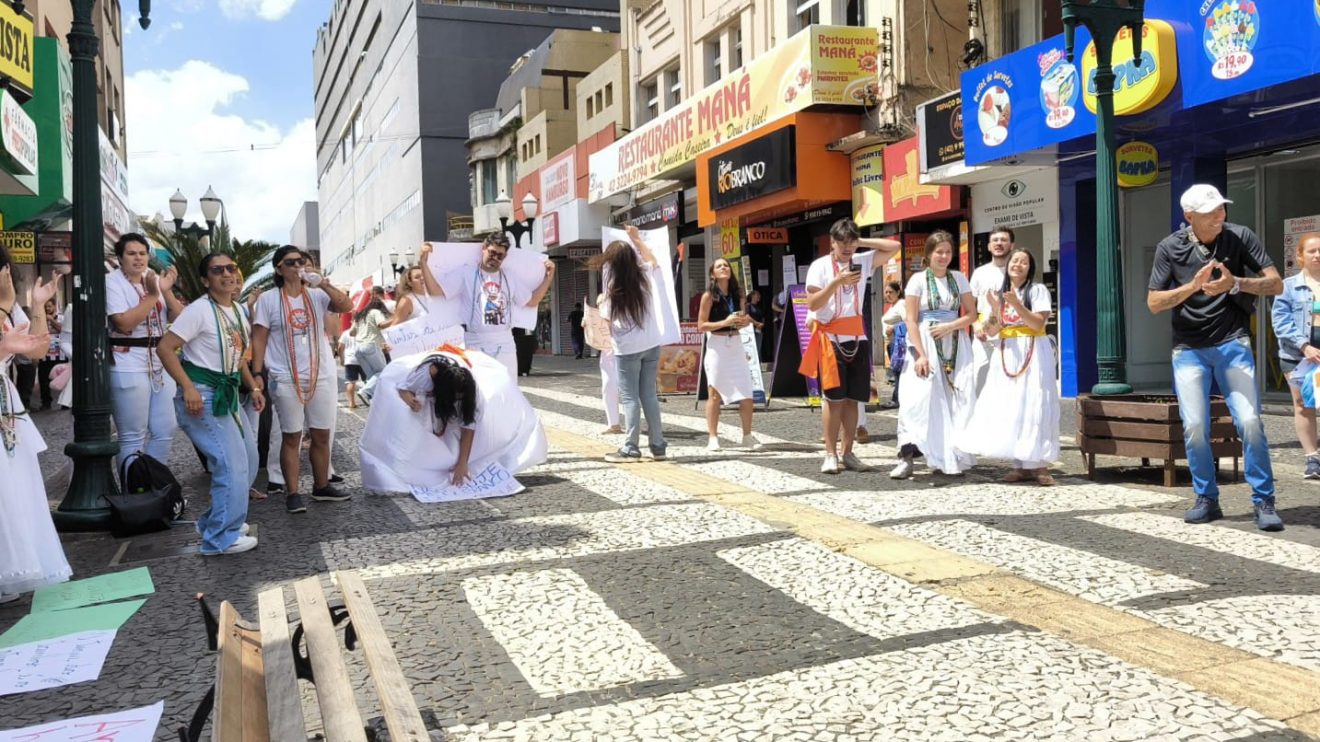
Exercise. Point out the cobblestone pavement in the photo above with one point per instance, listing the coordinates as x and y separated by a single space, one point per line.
746 596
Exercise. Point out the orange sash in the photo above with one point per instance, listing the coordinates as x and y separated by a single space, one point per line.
819 355
460 352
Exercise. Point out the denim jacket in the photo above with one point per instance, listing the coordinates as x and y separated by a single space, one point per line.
1291 317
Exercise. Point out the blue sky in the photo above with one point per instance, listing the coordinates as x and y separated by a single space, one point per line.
217 75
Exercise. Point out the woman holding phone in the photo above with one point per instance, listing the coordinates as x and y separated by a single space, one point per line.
728 377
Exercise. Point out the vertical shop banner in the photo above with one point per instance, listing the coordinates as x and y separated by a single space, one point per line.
914 254
731 246
1292 230
790 272
798 295
753 354
868 185
679 369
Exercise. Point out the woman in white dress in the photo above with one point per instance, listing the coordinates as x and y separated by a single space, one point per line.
1017 413
597 335
938 385
447 415
722 316
30 551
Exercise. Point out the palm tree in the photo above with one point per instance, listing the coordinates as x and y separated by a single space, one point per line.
186 251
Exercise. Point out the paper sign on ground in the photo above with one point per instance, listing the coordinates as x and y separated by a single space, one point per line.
420 335
101 589
50 624
134 725
524 269
65 660
493 481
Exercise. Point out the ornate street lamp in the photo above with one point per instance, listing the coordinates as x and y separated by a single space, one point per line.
408 259
84 506
518 229
210 203
1105 19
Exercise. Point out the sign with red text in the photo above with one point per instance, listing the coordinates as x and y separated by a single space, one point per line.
558 180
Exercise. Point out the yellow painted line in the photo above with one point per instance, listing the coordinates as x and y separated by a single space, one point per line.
1277 690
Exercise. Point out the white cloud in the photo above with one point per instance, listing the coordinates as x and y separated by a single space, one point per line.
268 10
180 137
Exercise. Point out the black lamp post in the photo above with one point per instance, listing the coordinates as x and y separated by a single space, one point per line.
1105 19
408 259
517 228
211 204
84 506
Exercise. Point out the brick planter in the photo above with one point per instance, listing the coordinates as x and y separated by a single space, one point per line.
1147 426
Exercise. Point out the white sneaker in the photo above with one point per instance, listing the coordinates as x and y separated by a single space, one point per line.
830 465
750 443
11 597
850 461
244 543
243 529
713 444
902 471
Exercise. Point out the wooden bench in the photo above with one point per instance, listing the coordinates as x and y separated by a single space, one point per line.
256 696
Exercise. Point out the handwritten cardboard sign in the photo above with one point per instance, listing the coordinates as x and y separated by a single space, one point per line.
64 660
421 334
493 481
100 589
134 725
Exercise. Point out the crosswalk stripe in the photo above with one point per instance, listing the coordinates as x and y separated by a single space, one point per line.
757 478
623 487
561 634
871 506
1255 546
840 587
1081 573
471 545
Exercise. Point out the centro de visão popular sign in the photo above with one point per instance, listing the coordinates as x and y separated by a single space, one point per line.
16 48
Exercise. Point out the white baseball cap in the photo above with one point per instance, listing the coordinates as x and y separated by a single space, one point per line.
1202 198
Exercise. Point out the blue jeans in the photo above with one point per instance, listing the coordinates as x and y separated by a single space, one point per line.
637 375
1232 365
144 418
230 447
372 360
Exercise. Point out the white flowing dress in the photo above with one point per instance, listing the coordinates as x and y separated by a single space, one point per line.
400 448
30 552
1017 418
930 411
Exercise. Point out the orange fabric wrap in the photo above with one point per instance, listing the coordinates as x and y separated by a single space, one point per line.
819 355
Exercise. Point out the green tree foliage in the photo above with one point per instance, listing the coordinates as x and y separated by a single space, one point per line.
186 251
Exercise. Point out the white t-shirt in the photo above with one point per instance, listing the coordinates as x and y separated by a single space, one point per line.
846 301
308 323
201 331
988 277
1037 300
120 297
917 287
625 337
488 298
419 382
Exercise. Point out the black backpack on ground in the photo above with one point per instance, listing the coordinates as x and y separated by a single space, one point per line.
152 498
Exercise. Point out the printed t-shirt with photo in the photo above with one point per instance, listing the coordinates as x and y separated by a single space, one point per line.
846 301
203 333
307 322
488 298
121 296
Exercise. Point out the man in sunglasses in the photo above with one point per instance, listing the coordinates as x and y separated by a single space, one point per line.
289 339
488 295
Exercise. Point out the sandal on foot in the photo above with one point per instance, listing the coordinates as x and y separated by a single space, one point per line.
1044 479
1017 475
255 495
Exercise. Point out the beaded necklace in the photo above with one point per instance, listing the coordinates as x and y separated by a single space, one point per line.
233 339
932 303
1003 358
8 418
838 304
315 338
155 329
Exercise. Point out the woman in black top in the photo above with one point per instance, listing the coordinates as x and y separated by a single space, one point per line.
728 375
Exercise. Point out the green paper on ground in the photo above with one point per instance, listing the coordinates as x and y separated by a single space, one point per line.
100 589
51 624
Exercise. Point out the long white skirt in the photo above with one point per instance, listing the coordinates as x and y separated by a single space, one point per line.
399 448
1017 418
30 552
930 414
727 371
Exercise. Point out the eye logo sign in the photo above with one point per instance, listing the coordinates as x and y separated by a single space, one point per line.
730 177
1014 189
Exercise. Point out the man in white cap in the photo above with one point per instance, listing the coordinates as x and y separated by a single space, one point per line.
1210 273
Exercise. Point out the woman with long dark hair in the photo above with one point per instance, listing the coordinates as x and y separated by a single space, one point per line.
446 416
30 551
631 278
938 390
728 377
215 337
1017 413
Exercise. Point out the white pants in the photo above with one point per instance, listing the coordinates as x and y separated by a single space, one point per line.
143 415
609 386
499 346
274 474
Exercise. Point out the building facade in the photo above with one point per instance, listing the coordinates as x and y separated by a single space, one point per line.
394 87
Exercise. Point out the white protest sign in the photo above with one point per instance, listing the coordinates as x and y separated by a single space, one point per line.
454 266
664 299
420 335
753 354
73 658
134 725
493 481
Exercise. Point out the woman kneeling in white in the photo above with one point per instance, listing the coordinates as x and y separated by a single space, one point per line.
453 413
938 386
1017 414
728 377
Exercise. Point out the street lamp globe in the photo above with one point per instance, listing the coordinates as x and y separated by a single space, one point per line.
178 205
210 206
503 207
530 206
